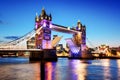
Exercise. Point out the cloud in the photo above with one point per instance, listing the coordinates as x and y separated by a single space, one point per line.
12 37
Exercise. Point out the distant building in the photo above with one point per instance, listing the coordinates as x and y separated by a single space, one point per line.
116 48
31 43
59 47
54 36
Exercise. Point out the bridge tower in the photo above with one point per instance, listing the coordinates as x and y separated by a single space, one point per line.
79 39
43 35
82 29
82 44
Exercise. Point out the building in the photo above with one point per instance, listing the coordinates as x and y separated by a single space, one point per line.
43 37
59 48
31 43
54 36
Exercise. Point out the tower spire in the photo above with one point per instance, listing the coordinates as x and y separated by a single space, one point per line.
36 14
36 18
78 20
79 25
50 17
43 13
43 8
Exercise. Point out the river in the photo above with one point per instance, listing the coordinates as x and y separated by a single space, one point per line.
64 69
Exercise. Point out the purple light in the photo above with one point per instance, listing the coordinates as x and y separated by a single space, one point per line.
36 25
74 49
46 44
51 25
44 24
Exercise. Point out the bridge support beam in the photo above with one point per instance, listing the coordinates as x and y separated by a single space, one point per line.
46 54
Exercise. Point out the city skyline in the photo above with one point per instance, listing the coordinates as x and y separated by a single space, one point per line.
101 18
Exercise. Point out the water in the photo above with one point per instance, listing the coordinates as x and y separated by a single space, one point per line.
63 69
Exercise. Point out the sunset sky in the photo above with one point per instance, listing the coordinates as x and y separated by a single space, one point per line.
101 17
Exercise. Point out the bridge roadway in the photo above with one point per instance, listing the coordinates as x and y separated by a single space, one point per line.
17 52
35 54
24 50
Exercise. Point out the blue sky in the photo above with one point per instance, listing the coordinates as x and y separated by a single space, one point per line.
101 17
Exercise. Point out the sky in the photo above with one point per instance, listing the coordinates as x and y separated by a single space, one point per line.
101 18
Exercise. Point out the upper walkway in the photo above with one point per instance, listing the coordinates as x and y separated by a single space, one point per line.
64 29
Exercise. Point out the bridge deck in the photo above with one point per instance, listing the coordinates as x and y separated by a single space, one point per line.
2 50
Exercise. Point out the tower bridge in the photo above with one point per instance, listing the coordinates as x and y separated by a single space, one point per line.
41 36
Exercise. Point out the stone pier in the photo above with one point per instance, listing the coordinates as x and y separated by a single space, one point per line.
45 54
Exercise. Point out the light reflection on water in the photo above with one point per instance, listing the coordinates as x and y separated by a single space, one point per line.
48 71
106 69
63 69
118 65
78 68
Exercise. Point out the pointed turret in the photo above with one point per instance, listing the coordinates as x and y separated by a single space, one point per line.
50 17
79 21
79 25
43 13
36 18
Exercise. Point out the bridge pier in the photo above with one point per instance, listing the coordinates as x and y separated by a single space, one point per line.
50 55
46 54
36 55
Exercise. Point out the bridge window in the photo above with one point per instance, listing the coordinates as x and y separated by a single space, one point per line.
47 31
47 37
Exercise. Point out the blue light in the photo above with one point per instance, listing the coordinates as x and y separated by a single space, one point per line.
73 48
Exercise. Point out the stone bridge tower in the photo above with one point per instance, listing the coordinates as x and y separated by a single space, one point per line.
79 39
43 35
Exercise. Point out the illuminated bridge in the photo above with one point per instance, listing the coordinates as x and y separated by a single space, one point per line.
39 40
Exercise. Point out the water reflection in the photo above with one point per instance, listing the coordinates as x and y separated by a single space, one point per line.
78 69
42 69
48 71
36 68
118 72
66 69
106 69
63 69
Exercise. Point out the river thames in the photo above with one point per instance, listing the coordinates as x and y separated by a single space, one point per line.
64 69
